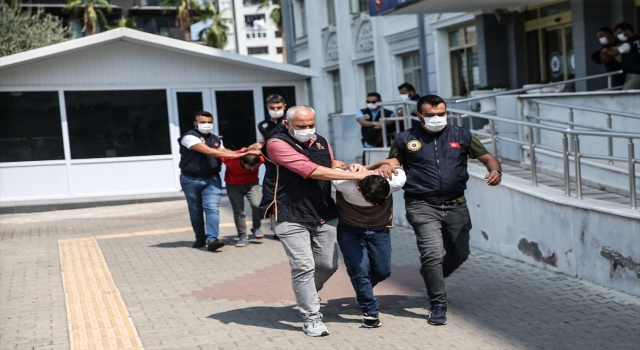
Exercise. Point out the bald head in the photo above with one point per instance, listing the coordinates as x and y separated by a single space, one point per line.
301 117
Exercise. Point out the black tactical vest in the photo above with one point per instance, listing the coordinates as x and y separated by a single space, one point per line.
196 164
291 197
630 61
436 164
371 135
268 128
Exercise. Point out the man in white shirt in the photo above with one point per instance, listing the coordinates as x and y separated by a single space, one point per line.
365 214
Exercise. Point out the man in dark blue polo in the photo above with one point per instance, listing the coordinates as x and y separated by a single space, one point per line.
434 156
200 179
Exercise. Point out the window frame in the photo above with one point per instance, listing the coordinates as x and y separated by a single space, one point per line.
414 70
466 47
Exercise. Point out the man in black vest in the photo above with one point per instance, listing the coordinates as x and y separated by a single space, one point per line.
630 55
611 62
296 189
276 106
434 156
369 119
200 180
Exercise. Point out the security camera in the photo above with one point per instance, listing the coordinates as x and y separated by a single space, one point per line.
500 17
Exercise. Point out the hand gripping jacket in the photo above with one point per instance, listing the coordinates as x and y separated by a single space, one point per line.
436 164
196 164
291 197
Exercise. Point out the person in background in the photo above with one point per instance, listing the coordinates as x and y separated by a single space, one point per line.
241 177
629 52
611 62
408 92
369 120
365 219
276 106
200 151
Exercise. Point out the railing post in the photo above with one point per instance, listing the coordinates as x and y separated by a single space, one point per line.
383 125
565 162
609 81
538 132
610 139
532 161
576 158
571 125
459 120
407 116
494 147
632 176
469 117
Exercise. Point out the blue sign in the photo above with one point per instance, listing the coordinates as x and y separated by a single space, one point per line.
379 7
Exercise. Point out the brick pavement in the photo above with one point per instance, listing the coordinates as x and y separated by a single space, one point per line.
241 298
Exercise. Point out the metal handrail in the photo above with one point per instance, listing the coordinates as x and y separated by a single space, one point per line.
406 117
517 91
566 133
588 109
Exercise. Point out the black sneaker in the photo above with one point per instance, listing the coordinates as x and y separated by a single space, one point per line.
215 244
437 315
199 243
371 321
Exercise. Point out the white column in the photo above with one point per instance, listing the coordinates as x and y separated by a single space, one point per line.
348 74
314 40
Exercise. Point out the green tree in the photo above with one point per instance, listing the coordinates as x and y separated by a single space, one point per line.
187 10
124 22
92 13
276 16
27 30
214 35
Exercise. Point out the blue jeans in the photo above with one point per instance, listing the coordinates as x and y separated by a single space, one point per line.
367 256
203 195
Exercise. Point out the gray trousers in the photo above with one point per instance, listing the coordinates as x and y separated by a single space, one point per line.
631 82
442 234
236 195
313 255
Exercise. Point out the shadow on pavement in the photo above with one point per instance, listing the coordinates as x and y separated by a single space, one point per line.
261 316
177 244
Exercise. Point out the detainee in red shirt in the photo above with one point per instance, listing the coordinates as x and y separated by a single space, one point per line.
241 177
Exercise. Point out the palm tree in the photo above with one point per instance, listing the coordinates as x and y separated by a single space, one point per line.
125 22
216 34
92 12
276 16
187 11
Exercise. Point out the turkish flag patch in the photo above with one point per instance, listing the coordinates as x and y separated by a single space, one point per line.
454 145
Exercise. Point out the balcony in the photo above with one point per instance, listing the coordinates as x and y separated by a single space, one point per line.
48 2
406 7
146 3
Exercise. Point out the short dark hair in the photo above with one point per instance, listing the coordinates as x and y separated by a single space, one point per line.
407 86
605 30
624 26
375 189
275 98
375 94
203 114
432 100
250 159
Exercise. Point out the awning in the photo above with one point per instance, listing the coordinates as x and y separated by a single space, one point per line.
407 7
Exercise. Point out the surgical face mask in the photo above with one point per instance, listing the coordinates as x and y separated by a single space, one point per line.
622 37
372 106
434 124
303 135
274 114
603 40
404 97
205 128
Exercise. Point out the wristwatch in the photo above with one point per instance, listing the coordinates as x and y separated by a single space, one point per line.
497 172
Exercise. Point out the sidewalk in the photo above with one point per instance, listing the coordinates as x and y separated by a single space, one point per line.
174 296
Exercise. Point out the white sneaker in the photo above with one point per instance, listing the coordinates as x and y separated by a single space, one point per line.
313 325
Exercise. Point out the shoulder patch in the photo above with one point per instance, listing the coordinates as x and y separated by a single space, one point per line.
414 145
264 125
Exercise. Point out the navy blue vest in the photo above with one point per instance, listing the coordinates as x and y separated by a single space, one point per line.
291 197
196 164
268 128
436 164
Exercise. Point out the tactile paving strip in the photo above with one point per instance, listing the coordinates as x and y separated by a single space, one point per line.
96 313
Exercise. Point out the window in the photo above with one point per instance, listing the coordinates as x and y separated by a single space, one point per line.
117 123
278 34
256 34
463 49
156 25
369 77
337 91
258 50
331 13
411 70
252 2
279 50
358 6
250 20
300 19
30 127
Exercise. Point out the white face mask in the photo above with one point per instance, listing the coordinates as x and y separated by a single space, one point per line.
622 37
372 106
303 135
604 40
205 128
274 114
434 124
404 97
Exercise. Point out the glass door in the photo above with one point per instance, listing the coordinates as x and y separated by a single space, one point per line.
559 53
